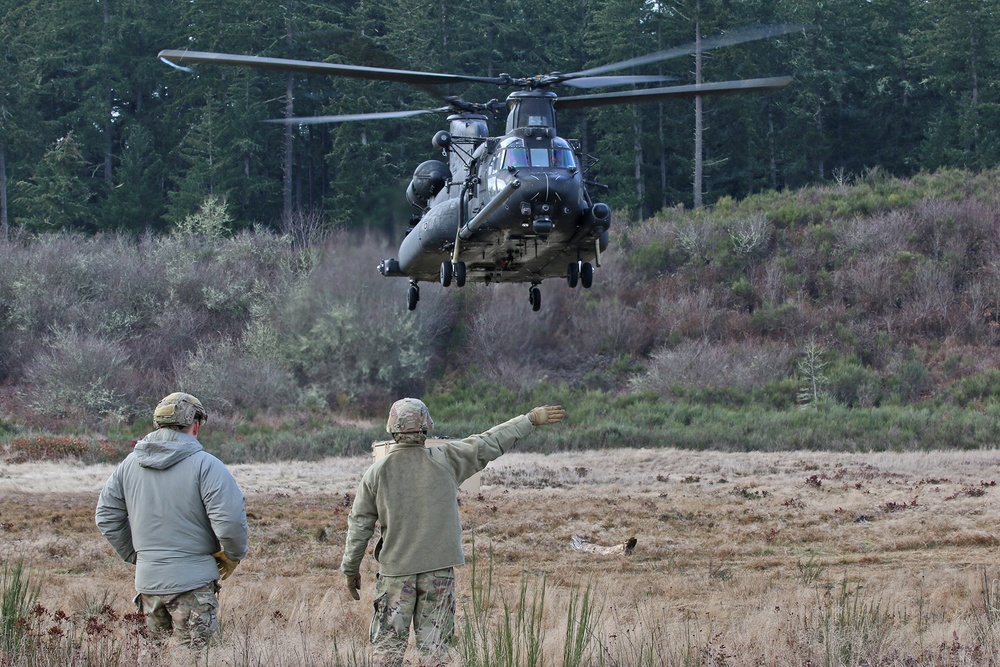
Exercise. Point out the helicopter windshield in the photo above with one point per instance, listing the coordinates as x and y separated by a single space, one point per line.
560 155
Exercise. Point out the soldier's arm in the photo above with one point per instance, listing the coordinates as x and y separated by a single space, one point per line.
469 456
360 528
112 518
226 508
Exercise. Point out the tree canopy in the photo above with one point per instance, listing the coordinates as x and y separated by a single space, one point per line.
96 134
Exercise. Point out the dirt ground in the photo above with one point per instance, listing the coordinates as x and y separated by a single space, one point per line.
746 558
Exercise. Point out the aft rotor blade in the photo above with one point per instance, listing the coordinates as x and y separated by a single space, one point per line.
600 81
707 44
654 94
346 118
329 69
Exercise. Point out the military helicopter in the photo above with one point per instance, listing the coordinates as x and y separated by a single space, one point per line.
511 208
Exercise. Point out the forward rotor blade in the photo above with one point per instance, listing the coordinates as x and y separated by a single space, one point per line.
346 118
329 69
599 81
708 44
654 94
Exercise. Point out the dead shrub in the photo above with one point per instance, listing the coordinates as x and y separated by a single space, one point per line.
870 284
505 340
83 376
228 379
692 314
884 234
702 365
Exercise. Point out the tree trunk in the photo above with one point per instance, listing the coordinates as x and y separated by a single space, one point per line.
663 159
109 126
286 184
640 185
698 166
820 164
4 223
772 149
109 141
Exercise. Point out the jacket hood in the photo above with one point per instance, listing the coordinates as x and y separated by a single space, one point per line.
165 447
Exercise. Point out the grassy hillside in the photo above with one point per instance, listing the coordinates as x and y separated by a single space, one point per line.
857 316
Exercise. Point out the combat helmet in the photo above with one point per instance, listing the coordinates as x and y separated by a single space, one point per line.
179 410
409 415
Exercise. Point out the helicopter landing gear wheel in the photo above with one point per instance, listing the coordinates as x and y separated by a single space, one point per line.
460 273
587 275
412 296
535 298
445 274
573 274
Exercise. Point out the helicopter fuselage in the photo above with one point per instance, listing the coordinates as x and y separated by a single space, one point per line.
517 210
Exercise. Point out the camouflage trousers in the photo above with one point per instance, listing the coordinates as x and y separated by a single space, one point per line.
193 613
425 600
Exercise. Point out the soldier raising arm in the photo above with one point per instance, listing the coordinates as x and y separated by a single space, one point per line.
412 494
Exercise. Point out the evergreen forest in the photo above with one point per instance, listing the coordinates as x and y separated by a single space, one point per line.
838 289
97 135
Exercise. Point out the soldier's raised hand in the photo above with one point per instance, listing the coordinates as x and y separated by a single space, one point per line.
546 414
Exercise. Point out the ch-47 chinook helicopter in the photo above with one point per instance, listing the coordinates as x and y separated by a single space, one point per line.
510 208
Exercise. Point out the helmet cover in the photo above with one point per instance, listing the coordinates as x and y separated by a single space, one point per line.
179 410
409 415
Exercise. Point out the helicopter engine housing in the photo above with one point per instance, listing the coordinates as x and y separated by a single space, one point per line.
429 178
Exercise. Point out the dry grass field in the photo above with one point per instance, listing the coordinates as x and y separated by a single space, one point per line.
741 559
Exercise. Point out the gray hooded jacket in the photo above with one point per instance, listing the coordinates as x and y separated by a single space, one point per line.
167 507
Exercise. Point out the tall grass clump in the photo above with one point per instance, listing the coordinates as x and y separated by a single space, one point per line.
499 633
986 611
854 628
20 593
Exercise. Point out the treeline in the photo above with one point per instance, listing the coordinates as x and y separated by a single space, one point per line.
97 135
855 315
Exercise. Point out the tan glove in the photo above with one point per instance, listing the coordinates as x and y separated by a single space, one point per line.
354 585
546 414
225 563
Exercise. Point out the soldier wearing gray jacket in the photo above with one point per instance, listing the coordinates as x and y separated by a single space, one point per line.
176 513
411 494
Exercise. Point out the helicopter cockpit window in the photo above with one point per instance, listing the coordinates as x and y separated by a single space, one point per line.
515 157
562 154
539 157
563 157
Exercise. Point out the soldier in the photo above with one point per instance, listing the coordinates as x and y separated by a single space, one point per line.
176 513
412 494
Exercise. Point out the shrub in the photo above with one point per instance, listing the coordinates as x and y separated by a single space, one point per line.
226 378
82 376
57 447
701 365
47 448
984 386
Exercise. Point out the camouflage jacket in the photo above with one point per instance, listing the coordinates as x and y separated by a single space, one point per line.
412 494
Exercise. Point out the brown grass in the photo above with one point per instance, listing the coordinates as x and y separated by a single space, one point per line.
742 559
